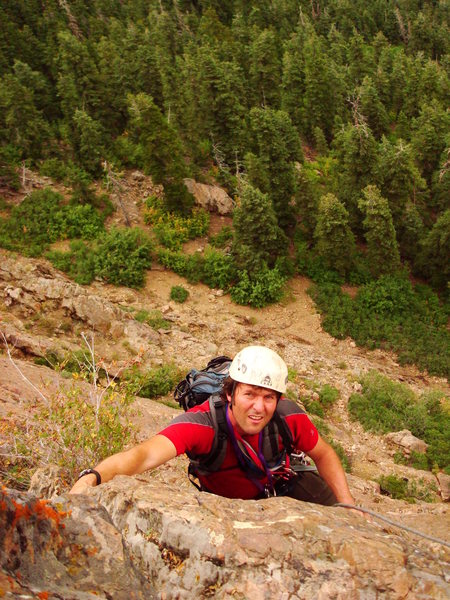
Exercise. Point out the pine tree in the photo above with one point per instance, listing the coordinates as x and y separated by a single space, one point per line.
293 79
161 151
398 177
213 97
430 136
78 84
335 242
372 108
258 241
21 123
321 86
87 142
265 69
382 248
433 261
277 146
410 233
356 153
306 199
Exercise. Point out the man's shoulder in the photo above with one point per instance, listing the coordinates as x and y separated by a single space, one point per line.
286 408
198 415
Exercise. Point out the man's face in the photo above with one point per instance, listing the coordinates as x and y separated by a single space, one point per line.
252 408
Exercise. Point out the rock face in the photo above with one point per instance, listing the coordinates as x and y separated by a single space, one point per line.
210 197
69 549
138 538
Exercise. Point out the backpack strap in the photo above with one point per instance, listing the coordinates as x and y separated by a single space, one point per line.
284 431
212 461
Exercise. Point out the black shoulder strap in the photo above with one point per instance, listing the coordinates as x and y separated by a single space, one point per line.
284 431
212 461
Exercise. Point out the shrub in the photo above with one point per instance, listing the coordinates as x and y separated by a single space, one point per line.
154 382
384 406
218 269
189 266
33 224
43 218
153 318
263 288
221 239
79 263
54 168
179 294
403 489
80 221
345 461
70 428
391 314
123 256
327 397
172 230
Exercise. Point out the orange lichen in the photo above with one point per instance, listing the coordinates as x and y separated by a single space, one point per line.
43 595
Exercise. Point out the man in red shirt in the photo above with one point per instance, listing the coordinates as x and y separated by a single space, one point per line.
250 469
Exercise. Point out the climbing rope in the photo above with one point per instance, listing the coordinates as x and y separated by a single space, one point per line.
378 516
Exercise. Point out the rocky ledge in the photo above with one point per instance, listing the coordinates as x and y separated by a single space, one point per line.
145 538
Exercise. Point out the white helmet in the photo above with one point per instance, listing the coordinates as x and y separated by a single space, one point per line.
261 366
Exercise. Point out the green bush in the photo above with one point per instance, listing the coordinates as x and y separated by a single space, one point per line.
153 318
155 382
403 489
345 461
79 263
327 397
218 269
171 229
390 313
385 406
186 265
179 294
221 239
33 224
123 256
54 168
43 218
263 288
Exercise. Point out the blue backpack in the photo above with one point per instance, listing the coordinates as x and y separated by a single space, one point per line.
198 386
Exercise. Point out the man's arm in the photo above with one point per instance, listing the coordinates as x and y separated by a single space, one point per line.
148 455
330 469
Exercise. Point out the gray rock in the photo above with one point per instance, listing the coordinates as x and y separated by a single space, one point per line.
406 440
210 197
444 486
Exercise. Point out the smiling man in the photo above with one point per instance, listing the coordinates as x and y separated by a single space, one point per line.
240 445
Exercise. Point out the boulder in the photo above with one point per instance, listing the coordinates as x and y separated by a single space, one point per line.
210 197
444 486
46 482
407 441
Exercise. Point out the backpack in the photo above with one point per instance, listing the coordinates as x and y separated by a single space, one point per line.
199 386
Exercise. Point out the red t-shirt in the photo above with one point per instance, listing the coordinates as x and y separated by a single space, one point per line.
193 433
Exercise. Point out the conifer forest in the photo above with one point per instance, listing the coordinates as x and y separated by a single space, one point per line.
325 120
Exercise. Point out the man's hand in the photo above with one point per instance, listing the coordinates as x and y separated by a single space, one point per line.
84 483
